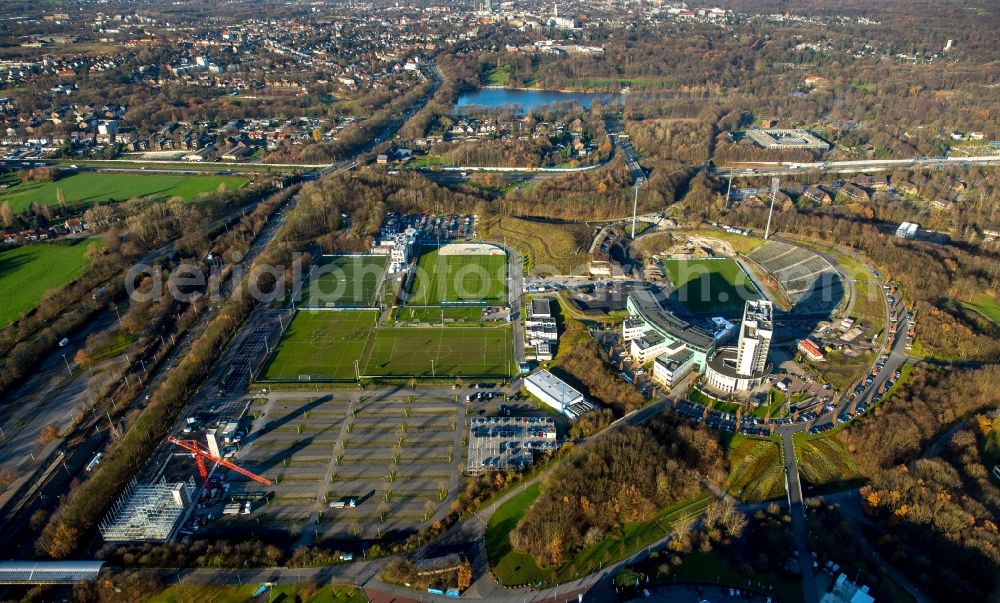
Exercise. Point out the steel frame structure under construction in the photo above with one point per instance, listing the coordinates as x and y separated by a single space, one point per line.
147 512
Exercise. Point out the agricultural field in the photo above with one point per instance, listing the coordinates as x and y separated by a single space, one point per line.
445 278
439 351
710 285
344 281
547 248
398 458
27 273
90 188
321 345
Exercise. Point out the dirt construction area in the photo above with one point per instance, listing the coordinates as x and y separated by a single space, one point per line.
396 458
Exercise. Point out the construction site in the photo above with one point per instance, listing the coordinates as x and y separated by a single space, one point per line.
338 468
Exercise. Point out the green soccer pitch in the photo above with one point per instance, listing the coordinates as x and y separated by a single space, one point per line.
344 281
321 344
440 352
710 285
473 278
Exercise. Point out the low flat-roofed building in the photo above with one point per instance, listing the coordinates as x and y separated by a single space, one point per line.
907 230
845 591
723 374
543 351
552 390
541 307
670 368
722 329
776 138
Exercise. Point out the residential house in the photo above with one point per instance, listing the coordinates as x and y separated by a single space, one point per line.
75 225
877 182
817 195
941 203
856 193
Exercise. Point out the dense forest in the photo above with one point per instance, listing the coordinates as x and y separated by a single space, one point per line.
938 513
622 477
896 432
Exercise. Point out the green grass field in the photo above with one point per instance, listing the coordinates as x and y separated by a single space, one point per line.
232 593
498 76
824 460
986 305
448 315
459 278
755 472
344 281
456 351
508 565
90 188
321 344
515 568
27 273
710 285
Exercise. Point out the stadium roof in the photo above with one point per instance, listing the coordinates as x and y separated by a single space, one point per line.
48 572
667 323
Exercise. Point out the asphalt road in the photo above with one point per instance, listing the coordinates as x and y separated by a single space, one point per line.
797 510
783 168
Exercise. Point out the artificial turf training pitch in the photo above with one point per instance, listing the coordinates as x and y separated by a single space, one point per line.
455 351
344 281
710 285
321 344
470 278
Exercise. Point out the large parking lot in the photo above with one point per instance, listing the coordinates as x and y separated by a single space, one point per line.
432 226
396 458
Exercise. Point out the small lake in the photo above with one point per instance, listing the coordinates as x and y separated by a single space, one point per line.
527 100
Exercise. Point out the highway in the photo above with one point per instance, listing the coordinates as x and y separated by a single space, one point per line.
614 129
785 168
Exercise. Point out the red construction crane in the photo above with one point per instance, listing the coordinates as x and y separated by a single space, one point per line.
201 453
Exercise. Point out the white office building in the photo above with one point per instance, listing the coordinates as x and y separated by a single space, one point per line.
671 367
755 337
649 346
743 367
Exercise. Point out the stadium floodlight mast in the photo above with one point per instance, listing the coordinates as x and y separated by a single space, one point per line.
774 193
729 189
